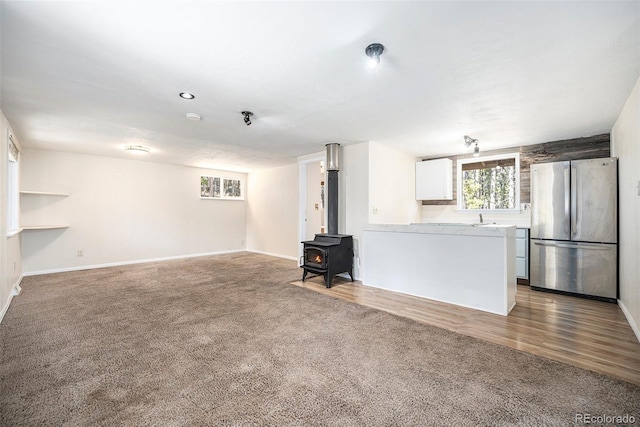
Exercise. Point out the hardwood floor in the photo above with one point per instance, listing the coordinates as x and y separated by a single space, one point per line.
589 334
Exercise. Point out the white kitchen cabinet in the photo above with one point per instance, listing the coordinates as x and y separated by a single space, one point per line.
522 253
425 260
434 180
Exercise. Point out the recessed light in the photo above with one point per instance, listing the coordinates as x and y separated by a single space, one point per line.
194 116
137 149
187 95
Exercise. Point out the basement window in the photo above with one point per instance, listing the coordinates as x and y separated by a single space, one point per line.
489 183
13 189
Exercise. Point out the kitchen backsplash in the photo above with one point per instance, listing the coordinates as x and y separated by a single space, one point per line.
448 213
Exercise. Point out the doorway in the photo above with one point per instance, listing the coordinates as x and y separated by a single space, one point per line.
315 196
312 177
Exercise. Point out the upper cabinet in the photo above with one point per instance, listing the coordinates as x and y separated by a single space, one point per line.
434 180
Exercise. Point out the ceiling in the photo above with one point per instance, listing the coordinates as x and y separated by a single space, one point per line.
92 77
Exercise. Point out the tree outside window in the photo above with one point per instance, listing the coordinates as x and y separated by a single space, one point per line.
489 184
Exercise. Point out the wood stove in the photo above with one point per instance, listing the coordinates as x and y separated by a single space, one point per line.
328 255
332 253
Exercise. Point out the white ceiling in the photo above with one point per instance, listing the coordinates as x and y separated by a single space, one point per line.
92 77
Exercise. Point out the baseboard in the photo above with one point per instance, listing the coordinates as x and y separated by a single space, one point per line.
14 292
292 258
138 261
439 300
630 319
6 306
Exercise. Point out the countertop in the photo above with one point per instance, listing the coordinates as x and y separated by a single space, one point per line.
488 230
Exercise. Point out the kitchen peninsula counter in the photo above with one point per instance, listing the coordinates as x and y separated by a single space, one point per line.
472 265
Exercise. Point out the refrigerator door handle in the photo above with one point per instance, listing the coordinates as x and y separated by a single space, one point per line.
594 246
567 201
574 202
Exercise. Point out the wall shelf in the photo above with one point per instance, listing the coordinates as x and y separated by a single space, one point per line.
42 193
43 227
45 194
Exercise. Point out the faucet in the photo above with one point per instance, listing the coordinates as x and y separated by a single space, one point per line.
481 220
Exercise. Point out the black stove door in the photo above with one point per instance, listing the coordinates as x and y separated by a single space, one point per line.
315 257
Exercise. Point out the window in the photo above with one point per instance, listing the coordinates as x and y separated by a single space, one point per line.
489 183
13 190
214 187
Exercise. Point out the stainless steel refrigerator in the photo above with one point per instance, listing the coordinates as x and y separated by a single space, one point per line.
574 227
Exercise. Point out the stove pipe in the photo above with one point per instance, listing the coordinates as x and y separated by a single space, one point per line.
332 187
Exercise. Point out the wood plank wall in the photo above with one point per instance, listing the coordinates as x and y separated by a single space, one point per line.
591 147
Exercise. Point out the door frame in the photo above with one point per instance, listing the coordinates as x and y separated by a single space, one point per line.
302 198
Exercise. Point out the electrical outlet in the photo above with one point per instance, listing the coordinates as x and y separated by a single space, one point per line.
242 242
80 252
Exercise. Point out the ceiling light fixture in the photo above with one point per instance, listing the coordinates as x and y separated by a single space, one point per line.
468 140
374 51
187 95
194 116
137 149
247 117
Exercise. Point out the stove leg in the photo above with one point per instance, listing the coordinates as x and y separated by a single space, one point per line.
351 274
304 275
327 280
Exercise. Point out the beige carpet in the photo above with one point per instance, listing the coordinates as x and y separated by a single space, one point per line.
227 341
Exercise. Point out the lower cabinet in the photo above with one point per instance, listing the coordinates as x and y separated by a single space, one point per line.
522 253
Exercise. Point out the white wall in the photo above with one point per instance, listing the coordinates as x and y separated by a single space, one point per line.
121 211
625 144
10 251
273 207
392 198
354 196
